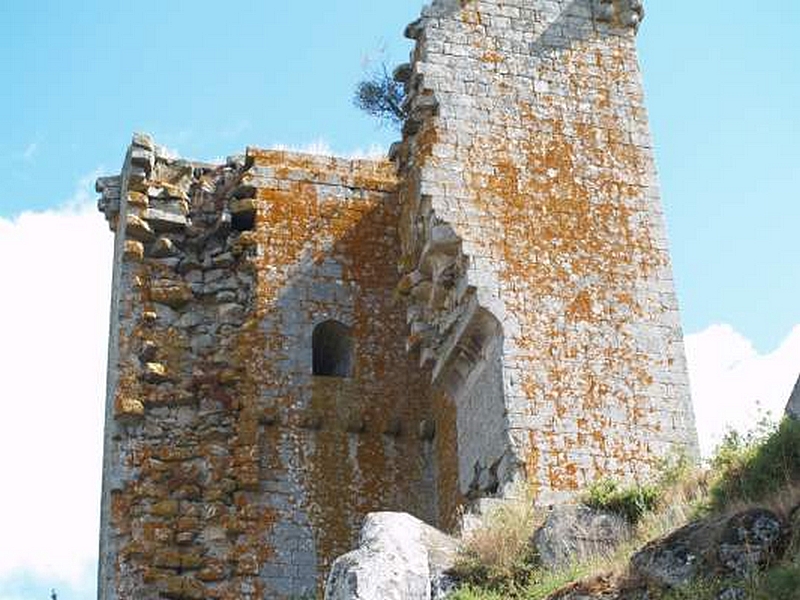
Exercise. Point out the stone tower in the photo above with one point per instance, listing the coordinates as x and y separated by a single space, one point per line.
299 340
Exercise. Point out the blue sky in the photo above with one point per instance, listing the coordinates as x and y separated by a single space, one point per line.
722 84
208 79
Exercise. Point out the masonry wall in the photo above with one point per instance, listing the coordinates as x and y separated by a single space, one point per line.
528 147
506 283
230 470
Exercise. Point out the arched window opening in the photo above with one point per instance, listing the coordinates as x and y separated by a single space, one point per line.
332 350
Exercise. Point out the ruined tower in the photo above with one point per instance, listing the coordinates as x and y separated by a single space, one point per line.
299 340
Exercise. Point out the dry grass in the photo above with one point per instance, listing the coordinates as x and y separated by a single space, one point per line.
497 557
756 470
499 548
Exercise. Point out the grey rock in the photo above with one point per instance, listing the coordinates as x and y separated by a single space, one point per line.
195 276
162 220
678 558
231 314
751 540
163 247
793 406
226 296
574 533
166 316
735 546
732 593
143 140
138 229
223 260
399 558
201 343
189 319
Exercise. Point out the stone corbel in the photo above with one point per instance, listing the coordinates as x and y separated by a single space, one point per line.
624 13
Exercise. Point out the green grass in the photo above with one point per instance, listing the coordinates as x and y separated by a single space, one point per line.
758 468
631 502
755 465
535 584
781 582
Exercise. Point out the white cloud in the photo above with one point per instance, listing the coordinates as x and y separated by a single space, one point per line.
54 306
732 383
321 147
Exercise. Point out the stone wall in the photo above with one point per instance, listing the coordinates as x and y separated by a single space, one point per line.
527 154
531 330
230 470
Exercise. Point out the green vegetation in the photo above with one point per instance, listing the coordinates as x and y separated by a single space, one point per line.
758 468
752 467
536 584
778 583
380 96
629 501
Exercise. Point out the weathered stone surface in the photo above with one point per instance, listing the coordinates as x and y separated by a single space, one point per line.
172 293
163 220
680 557
399 558
735 546
575 533
505 157
138 229
535 331
134 250
793 406
163 247
220 479
750 541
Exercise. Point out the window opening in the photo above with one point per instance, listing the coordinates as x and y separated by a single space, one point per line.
332 350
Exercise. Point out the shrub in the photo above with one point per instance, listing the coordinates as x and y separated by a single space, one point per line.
380 96
631 502
755 465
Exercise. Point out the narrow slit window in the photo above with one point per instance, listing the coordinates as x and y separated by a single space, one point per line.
332 350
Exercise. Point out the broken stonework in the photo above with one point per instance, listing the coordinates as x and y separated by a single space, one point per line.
500 294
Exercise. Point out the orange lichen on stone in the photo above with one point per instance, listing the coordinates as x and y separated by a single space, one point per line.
531 330
553 196
450 498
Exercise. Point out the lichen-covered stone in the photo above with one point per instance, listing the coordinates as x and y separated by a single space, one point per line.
735 546
750 541
531 331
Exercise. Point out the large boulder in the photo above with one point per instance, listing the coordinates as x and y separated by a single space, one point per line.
735 546
573 533
751 541
398 558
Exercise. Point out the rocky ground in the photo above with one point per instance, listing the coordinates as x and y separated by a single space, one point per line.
728 532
